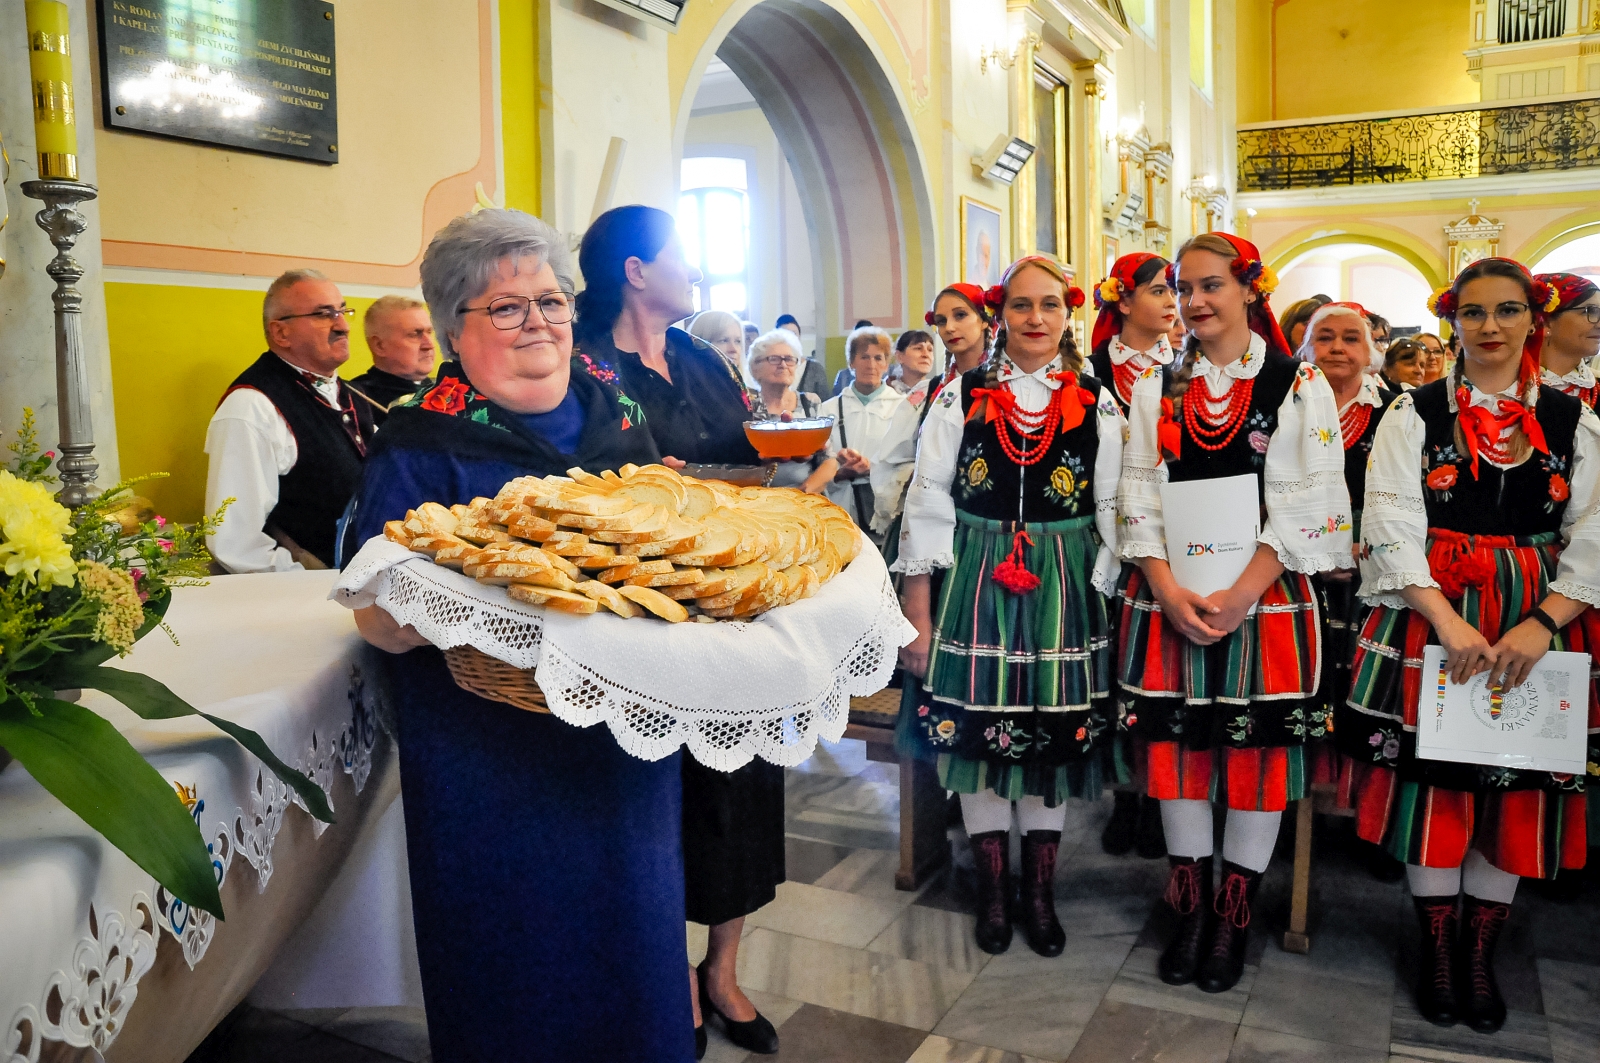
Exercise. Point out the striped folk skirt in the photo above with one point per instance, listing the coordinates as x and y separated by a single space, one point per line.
1229 721
1428 812
1017 696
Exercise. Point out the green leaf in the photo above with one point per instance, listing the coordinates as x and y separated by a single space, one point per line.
152 700
91 768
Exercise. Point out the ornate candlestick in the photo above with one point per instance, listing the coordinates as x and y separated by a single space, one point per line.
63 223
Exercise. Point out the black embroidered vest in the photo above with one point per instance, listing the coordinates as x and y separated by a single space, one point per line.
1526 500
1060 486
330 445
1247 451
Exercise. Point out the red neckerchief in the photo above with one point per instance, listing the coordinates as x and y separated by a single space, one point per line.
1482 429
1069 398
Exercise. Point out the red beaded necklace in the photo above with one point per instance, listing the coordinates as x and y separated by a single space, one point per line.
1353 421
1123 376
1211 431
1031 447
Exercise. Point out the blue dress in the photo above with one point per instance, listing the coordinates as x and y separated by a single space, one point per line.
546 868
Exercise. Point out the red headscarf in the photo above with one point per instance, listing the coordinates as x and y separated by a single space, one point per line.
1570 288
1251 271
971 293
1545 297
1108 322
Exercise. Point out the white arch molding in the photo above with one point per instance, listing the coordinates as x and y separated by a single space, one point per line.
845 128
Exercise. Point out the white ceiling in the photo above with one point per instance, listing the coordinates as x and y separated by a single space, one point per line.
720 88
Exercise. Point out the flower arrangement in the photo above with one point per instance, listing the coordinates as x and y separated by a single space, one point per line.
78 588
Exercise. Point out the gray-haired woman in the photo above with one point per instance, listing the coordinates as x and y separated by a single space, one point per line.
774 362
723 332
546 869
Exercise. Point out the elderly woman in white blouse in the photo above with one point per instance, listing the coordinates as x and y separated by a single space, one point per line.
862 412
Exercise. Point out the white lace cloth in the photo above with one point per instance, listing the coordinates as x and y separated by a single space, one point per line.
728 692
79 921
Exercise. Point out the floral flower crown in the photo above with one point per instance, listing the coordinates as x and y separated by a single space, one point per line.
1544 296
1107 293
1256 274
995 298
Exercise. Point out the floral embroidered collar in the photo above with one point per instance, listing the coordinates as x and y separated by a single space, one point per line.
1580 379
1160 354
1368 395
1009 370
1244 367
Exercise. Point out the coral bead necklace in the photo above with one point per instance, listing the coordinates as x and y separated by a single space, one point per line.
1353 421
1123 377
1215 431
1036 431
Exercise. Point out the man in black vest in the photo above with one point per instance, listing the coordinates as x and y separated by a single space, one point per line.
400 336
288 438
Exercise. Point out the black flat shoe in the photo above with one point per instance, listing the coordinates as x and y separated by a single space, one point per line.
757 1035
700 1041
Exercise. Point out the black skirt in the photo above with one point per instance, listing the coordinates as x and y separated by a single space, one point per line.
732 839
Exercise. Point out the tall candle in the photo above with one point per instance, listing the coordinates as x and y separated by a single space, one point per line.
55 121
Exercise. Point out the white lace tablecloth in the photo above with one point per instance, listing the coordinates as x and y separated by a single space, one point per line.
80 922
727 692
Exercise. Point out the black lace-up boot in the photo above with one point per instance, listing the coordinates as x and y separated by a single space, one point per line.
1477 991
1436 993
1039 923
1189 895
991 853
1224 964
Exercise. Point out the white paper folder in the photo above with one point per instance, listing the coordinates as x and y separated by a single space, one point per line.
1542 725
1211 530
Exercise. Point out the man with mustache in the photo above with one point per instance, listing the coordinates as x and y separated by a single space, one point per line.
288 439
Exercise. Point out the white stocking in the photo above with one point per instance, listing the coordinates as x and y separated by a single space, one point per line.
1032 815
985 811
1483 880
1187 825
1248 838
1433 881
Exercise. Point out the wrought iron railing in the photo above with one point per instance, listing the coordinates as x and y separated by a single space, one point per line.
1531 20
1493 140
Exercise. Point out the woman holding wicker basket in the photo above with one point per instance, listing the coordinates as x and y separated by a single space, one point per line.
546 869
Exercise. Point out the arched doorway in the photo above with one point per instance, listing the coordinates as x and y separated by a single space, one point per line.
847 140
1375 277
1581 256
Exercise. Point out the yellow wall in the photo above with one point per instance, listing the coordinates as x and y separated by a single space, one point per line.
1354 56
519 103
1253 34
174 351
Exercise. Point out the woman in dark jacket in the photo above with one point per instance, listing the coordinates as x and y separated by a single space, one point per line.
637 284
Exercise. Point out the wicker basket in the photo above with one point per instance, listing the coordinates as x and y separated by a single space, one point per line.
478 673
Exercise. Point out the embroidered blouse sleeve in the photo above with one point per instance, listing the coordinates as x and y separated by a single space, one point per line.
1308 504
1142 532
1578 574
1394 522
1107 474
927 534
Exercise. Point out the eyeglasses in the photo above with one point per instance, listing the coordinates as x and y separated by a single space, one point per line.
509 312
1590 312
780 359
327 314
1475 317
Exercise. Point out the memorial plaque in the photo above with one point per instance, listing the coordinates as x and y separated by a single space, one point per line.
251 74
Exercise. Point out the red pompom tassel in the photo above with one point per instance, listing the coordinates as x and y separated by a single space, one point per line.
1012 573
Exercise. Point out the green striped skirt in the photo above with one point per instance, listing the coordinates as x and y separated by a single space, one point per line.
1017 697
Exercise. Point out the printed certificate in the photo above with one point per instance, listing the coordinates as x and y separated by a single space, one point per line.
1541 725
1211 530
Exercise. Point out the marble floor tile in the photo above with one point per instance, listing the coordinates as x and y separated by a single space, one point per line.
1575 1042
1322 1008
1264 1046
867 873
827 915
1138 983
318 1017
806 861
820 1035
401 1032
1567 930
1525 1038
950 888
1034 1005
878 986
878 801
1360 945
848 756
1570 990
938 1049
259 1036
932 935
1128 1033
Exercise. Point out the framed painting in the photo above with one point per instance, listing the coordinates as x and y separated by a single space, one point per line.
980 243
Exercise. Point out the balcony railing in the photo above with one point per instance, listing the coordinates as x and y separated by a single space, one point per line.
1527 138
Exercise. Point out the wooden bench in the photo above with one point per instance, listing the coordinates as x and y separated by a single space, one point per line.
924 847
